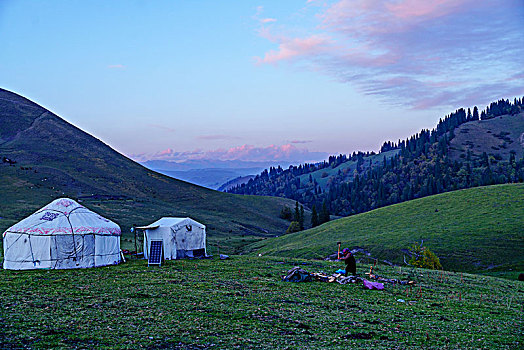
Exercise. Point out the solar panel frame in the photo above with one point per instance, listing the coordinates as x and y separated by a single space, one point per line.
156 250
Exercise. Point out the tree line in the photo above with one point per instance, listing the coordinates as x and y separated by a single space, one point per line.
417 167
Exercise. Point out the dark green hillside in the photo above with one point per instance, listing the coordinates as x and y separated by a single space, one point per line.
54 158
470 230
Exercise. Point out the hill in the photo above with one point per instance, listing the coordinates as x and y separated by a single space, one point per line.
464 150
45 157
235 182
498 137
475 229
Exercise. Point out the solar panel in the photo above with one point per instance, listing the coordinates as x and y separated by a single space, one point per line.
155 253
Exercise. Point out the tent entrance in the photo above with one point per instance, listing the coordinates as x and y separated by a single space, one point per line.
191 253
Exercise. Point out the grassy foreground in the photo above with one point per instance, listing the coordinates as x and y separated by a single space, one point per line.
478 229
241 303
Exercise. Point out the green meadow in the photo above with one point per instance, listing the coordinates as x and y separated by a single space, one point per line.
242 303
476 230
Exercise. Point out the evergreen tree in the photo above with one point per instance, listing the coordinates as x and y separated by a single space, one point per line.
314 216
324 215
475 113
301 218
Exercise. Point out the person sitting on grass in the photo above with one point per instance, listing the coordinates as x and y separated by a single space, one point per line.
349 260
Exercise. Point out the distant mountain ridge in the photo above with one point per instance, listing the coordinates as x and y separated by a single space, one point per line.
210 173
213 178
193 164
50 158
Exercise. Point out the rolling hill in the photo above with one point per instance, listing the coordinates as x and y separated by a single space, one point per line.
497 137
54 159
464 150
478 229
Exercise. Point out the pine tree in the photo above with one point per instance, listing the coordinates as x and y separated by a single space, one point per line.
301 218
476 113
314 216
324 215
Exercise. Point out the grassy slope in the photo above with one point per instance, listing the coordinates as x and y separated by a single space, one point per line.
472 230
499 135
242 303
54 159
348 168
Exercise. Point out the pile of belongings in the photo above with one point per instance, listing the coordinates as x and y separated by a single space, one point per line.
336 277
297 274
376 277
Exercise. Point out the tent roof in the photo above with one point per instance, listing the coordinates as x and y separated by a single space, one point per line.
171 222
65 216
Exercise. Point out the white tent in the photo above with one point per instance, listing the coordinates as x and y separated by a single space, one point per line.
62 235
182 237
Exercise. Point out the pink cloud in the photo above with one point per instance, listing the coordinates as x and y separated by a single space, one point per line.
416 8
271 153
300 141
116 66
290 48
168 151
417 53
268 20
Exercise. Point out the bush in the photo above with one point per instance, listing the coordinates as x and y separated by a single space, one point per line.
293 227
424 257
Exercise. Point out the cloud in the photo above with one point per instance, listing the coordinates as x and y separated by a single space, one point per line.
300 141
272 153
162 127
116 66
267 20
419 54
218 137
296 47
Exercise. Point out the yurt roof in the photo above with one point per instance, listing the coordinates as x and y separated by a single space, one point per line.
65 216
170 222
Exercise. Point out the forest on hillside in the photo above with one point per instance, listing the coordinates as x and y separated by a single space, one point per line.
420 166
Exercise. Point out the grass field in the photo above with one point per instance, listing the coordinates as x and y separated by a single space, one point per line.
478 229
242 303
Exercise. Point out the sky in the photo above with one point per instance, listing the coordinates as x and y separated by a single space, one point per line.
293 80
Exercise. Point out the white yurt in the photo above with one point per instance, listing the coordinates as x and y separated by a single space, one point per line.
181 237
62 235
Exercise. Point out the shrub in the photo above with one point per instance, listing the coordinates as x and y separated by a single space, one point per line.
424 257
293 227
